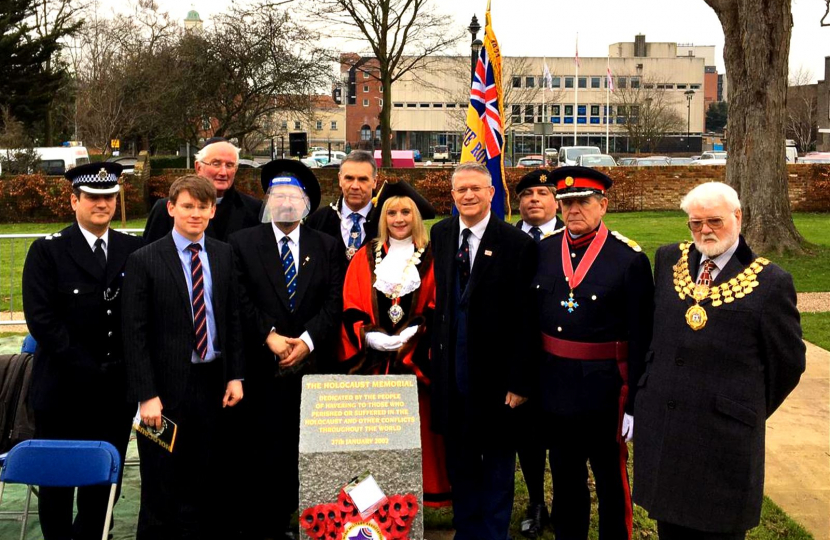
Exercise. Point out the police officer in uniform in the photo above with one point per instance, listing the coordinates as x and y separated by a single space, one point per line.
595 295
537 207
72 302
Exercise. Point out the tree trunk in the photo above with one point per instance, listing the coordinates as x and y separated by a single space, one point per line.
756 52
386 120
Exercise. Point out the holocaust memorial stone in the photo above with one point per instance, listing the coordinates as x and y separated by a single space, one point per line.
351 425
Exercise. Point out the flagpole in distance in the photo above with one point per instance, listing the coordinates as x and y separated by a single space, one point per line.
576 88
607 98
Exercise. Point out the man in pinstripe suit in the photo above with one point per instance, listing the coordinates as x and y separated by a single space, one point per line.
183 353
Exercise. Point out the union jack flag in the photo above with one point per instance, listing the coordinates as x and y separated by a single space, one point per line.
484 98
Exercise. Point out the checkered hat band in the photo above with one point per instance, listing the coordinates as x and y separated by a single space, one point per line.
575 194
94 179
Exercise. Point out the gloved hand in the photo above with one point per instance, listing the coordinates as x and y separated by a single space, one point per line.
382 342
408 332
627 427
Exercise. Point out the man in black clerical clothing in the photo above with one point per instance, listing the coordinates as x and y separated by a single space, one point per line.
217 161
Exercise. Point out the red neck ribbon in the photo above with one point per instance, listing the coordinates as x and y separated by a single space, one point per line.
575 278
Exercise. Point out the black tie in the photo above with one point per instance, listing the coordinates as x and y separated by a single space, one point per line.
99 253
462 260
536 232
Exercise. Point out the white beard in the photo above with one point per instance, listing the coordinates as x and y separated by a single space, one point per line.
713 250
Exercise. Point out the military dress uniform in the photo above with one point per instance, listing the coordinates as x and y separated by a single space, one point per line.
72 304
596 328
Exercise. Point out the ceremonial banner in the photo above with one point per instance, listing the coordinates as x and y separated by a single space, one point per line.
484 137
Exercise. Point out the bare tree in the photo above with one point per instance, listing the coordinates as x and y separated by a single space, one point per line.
402 35
756 51
802 109
649 113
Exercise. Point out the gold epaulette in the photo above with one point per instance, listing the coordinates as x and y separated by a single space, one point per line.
627 241
53 235
553 232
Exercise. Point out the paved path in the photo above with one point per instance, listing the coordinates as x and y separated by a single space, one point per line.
813 302
798 448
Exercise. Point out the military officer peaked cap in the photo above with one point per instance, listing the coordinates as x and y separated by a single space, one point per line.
95 178
574 182
290 172
402 188
536 178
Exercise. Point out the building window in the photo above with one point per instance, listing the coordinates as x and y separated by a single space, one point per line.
583 82
540 114
556 109
556 82
365 102
380 88
569 82
594 110
365 74
365 88
530 82
680 86
377 133
284 124
580 110
365 133
695 87
411 105
648 86
569 110
334 124
380 102
529 114
622 82
423 105
594 82
319 125
437 105
516 114
517 82
296 124
451 105
635 82
398 105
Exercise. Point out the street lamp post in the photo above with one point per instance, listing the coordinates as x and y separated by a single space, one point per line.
689 95
475 45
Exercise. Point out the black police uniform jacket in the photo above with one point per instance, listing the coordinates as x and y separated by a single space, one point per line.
706 395
237 211
73 310
501 332
615 304
327 220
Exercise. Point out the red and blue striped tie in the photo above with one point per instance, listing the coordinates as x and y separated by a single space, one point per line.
199 312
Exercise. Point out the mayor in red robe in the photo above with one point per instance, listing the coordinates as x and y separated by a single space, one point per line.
388 300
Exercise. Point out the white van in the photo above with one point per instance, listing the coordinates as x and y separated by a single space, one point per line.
569 154
791 153
56 160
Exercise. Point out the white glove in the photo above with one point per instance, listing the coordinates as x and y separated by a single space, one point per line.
627 427
382 342
408 332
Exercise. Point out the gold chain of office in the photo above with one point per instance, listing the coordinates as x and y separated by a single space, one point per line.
725 293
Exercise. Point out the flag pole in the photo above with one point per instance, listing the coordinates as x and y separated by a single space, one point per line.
607 98
545 76
576 88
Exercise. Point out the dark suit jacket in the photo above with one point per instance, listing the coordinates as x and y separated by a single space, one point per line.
264 297
706 395
158 326
500 327
238 211
73 310
326 220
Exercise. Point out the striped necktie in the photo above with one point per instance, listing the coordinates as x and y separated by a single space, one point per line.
199 312
290 272
536 233
706 274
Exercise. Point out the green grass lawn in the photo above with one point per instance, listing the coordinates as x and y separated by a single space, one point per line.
816 328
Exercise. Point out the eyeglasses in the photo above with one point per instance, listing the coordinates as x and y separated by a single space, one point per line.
281 197
696 225
475 190
216 164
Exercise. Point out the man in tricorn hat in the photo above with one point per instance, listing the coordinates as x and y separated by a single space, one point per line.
291 297
218 161
595 295
72 301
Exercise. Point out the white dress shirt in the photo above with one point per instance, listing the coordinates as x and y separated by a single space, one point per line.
720 261
477 231
294 247
91 238
346 222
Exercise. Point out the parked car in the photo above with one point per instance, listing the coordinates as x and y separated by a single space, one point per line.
333 157
569 154
711 158
627 162
680 161
441 152
310 163
596 160
128 162
248 164
531 161
417 154
655 161
815 157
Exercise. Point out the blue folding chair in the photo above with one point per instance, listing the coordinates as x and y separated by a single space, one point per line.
62 464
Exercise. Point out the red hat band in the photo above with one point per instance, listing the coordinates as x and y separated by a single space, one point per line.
580 182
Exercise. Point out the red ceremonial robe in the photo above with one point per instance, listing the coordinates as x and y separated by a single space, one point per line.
364 310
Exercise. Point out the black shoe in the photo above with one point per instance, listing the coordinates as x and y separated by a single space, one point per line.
536 518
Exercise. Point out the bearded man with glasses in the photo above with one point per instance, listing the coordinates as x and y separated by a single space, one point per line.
726 351
218 161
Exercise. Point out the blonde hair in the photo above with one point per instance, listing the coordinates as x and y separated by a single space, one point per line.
419 231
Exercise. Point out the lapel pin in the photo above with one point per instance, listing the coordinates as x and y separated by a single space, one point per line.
306 260
487 252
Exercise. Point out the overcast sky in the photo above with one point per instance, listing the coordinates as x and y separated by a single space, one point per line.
549 28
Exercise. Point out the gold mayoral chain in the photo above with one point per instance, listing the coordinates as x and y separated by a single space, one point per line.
395 310
725 293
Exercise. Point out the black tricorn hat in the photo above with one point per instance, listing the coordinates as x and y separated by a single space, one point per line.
402 188
537 177
291 172
574 182
215 140
95 178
